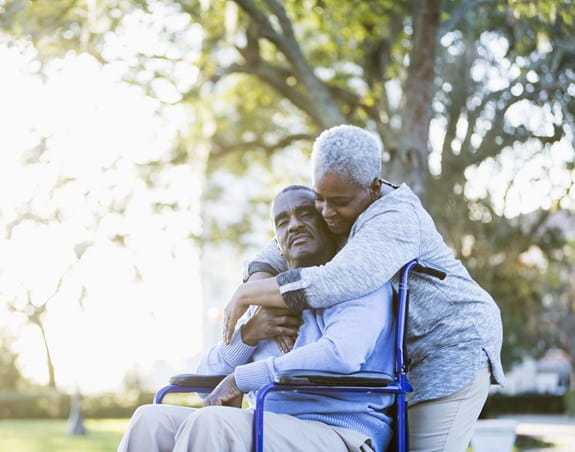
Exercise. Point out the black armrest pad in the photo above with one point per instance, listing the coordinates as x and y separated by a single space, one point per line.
198 381
429 269
307 377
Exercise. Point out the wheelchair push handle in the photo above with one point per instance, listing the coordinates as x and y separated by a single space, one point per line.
429 269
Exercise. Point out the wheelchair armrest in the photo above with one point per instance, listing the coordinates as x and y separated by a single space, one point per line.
188 383
360 379
197 381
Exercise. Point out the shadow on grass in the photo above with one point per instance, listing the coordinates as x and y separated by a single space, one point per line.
526 442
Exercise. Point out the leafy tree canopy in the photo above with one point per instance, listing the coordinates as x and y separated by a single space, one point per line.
473 100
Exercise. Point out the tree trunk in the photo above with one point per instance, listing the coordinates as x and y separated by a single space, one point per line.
410 163
49 363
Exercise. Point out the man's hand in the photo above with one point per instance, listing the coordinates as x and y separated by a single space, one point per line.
286 343
226 393
266 323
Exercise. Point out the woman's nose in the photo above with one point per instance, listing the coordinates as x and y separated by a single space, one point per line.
327 211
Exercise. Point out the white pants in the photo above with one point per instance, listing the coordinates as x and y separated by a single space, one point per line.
159 428
446 424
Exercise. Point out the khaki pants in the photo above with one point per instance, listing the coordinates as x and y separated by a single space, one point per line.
156 428
446 424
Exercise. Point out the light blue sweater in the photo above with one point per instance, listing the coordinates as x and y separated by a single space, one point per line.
346 338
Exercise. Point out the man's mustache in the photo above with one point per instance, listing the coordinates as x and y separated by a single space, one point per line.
292 238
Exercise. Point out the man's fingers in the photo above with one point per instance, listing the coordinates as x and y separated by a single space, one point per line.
285 331
292 321
282 343
285 342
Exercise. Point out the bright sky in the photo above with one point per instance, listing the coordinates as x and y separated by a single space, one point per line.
142 301
119 308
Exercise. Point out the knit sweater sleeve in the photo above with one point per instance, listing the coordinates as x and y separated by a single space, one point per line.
380 243
268 260
222 358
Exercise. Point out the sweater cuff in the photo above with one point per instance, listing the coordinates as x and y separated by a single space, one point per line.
292 290
237 352
254 267
252 376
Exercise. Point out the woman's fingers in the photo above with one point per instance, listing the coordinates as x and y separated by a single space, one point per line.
232 313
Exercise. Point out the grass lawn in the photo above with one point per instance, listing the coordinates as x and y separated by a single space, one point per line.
49 435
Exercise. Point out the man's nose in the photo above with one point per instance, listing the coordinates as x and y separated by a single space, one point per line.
295 223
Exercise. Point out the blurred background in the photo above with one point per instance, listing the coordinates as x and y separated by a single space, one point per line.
141 142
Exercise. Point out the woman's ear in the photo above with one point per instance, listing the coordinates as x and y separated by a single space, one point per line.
375 188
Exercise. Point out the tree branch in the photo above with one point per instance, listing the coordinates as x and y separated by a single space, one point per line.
275 77
222 149
280 12
378 53
323 109
459 13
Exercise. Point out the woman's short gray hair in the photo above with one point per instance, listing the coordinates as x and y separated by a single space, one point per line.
349 151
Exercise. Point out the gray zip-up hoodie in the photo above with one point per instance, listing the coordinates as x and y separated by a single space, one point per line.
454 327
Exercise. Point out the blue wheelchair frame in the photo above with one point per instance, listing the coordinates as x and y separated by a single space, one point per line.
316 382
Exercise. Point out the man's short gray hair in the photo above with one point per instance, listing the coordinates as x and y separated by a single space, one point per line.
349 151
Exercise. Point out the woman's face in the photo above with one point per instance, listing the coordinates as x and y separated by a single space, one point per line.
340 202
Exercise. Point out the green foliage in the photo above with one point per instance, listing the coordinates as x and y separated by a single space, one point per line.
34 405
272 74
10 377
500 404
37 404
570 402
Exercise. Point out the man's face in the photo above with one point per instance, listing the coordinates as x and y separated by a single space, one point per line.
301 233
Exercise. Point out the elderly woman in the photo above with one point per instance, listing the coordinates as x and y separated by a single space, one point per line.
454 328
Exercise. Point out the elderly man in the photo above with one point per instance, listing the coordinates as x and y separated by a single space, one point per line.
328 340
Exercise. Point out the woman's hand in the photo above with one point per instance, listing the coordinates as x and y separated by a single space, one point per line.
263 292
232 313
266 323
225 393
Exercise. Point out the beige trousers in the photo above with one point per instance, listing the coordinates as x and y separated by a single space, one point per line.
446 424
159 428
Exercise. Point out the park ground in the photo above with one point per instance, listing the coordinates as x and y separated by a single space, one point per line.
535 433
49 435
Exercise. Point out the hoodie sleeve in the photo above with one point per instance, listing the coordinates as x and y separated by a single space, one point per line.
268 260
222 358
377 249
